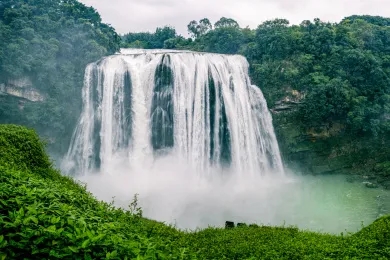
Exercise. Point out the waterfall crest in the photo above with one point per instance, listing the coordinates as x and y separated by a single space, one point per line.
199 107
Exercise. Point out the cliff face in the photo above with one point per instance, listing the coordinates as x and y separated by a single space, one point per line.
329 150
21 88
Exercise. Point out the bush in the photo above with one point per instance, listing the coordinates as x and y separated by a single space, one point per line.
20 148
44 215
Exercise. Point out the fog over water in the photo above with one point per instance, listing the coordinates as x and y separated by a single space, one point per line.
170 192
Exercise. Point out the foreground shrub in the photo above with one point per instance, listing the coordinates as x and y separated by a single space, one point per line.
44 215
47 219
20 148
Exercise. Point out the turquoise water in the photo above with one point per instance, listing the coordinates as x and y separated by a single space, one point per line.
323 203
332 204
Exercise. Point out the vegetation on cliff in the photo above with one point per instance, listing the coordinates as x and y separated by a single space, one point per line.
44 215
50 42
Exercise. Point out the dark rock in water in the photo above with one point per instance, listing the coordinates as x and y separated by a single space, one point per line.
229 224
386 185
371 185
322 169
381 180
369 177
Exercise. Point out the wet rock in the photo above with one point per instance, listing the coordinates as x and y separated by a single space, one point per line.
351 179
386 185
371 185
241 225
322 169
229 224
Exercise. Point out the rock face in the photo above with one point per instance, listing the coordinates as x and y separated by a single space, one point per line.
292 99
22 88
370 185
327 149
310 152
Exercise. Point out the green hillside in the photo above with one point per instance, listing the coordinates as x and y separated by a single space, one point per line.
44 215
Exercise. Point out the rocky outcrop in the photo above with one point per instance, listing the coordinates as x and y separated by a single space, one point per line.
326 149
310 152
292 99
283 105
22 88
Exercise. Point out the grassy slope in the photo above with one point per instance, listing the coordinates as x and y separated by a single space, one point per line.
44 215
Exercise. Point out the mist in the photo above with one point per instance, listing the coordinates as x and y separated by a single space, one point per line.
173 192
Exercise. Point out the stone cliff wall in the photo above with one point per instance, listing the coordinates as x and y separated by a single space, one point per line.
329 150
22 88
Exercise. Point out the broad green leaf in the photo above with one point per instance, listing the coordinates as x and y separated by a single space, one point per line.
114 253
51 229
55 220
34 219
85 243
97 238
73 249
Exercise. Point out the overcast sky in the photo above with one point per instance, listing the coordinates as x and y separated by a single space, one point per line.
145 15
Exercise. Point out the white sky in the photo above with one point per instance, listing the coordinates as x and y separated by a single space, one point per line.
145 15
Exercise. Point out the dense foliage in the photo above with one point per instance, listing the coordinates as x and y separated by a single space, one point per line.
50 42
44 215
146 40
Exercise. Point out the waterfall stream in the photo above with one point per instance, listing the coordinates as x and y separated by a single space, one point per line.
201 107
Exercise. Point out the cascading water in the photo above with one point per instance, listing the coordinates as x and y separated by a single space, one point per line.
198 107
185 130
190 134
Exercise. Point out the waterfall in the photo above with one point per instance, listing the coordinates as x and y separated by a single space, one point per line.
139 105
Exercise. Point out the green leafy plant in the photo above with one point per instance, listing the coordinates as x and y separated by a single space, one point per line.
44 215
134 208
